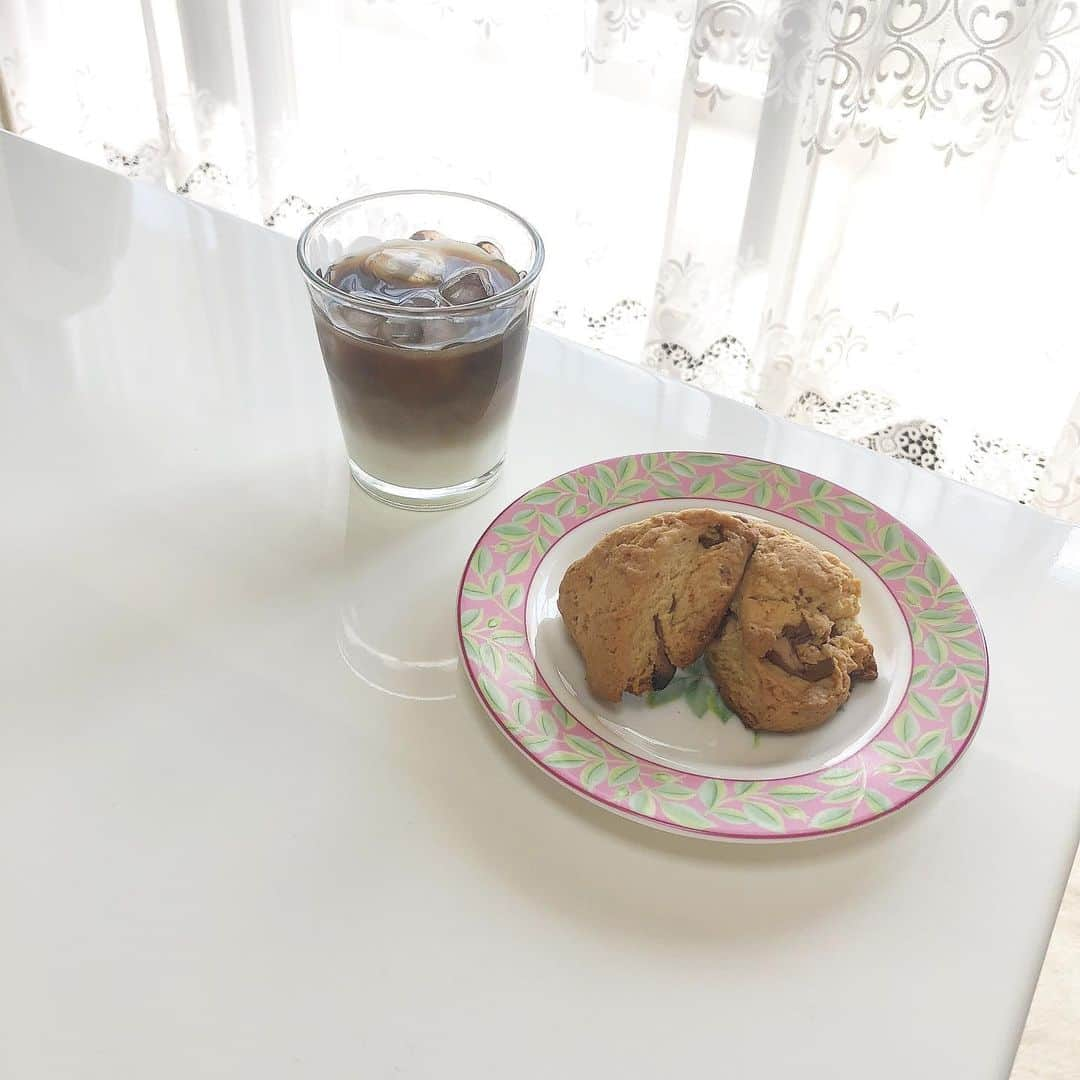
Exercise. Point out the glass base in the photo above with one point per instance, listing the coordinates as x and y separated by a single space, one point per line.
438 498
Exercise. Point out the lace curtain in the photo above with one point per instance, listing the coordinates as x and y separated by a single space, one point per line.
861 214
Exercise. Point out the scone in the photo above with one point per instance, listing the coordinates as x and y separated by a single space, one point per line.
650 596
793 643
764 695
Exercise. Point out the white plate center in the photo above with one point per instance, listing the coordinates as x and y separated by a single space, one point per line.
672 732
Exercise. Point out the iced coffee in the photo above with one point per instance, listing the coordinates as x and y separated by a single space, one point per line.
424 338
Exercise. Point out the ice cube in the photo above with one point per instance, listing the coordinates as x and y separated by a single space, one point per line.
402 330
421 298
363 323
427 234
467 286
351 283
492 249
405 264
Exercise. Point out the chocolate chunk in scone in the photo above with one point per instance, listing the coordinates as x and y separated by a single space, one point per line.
650 596
793 643
768 695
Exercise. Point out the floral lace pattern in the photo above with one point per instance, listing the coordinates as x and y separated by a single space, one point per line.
866 70
825 210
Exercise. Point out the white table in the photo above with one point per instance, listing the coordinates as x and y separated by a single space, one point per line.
224 852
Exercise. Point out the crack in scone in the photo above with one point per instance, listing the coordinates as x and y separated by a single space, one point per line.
649 597
664 671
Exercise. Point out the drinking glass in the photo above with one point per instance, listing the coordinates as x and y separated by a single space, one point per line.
424 394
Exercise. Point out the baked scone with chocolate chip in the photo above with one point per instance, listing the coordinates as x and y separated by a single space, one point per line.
792 643
767 697
650 596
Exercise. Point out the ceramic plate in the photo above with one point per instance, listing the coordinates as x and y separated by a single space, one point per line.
678 759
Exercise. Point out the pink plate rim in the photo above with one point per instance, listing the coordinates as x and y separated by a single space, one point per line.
932 726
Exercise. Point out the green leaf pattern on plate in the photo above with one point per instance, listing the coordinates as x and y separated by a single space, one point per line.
929 730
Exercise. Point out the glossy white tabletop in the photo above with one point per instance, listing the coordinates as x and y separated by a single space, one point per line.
224 851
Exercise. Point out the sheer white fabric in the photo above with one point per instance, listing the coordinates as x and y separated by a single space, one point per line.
863 214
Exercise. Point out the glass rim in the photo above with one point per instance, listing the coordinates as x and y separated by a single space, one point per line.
379 308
